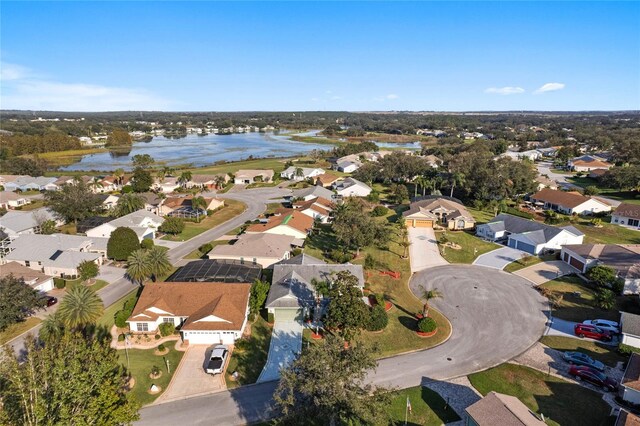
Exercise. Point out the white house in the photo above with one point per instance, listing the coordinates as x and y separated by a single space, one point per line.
586 163
301 173
29 222
528 235
351 187
630 383
259 249
246 176
28 183
568 202
11 200
316 208
289 222
166 185
531 155
35 279
627 215
143 223
206 313
348 166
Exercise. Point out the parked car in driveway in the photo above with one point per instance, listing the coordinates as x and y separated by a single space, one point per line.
610 326
578 358
594 377
51 301
218 357
592 332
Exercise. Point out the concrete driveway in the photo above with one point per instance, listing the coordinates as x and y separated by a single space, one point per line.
423 251
542 272
285 346
564 328
111 273
190 379
499 258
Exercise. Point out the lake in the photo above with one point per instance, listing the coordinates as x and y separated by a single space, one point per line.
200 151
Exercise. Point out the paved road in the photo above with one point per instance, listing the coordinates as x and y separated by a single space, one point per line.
423 251
499 258
495 317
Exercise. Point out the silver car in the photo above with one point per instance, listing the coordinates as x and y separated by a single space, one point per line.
610 326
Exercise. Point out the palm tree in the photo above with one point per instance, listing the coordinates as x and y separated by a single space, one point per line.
219 181
456 179
80 307
184 178
197 204
404 241
299 172
119 174
138 266
129 203
423 182
428 295
52 328
94 184
158 261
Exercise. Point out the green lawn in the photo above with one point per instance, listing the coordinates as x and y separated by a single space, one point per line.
615 194
196 254
427 408
107 319
231 209
527 261
276 164
607 233
399 336
574 307
481 216
17 329
95 286
35 204
140 364
472 246
561 402
607 354
250 355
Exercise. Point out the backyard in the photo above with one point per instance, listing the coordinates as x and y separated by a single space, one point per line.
139 364
561 402
231 209
249 355
427 408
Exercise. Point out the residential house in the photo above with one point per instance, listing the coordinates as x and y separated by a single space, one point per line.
500 409
216 181
625 259
528 235
586 163
568 202
28 183
544 182
531 155
246 177
630 330
91 222
327 180
108 201
4 179
262 249
57 255
29 222
301 173
142 222
548 152
626 418
316 208
205 313
166 185
433 161
292 294
310 193
597 173
35 279
11 200
630 383
437 210
351 187
110 184
216 271
347 166
627 215
181 206
288 222
152 202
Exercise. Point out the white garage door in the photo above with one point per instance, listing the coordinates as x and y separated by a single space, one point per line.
284 314
201 337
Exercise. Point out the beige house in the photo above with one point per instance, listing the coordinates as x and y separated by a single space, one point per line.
36 279
260 249
208 181
443 211
246 176
568 202
11 200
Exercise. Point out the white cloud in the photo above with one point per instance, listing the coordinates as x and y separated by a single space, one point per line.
392 96
550 87
508 90
336 98
22 90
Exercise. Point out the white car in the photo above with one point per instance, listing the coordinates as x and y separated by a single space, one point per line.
610 326
215 364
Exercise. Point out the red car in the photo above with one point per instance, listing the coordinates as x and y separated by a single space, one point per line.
594 377
592 332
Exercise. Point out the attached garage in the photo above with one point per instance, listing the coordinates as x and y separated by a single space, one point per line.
420 223
208 337
288 314
519 245
576 263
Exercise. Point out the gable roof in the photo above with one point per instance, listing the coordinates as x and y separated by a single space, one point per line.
133 220
291 218
59 250
207 306
624 258
256 245
200 179
518 225
30 276
349 182
562 198
327 178
628 210
504 410
318 204
253 173
316 191
18 221
430 205
631 378
630 324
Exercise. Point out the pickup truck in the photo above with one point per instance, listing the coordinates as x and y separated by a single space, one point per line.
215 364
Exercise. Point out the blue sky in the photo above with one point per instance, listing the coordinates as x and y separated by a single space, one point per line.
320 56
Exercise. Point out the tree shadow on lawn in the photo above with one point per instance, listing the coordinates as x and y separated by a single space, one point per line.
570 403
410 323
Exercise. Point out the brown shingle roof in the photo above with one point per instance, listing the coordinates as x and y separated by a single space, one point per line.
628 210
319 204
291 218
30 276
625 418
327 178
631 378
562 198
196 301
504 410
594 163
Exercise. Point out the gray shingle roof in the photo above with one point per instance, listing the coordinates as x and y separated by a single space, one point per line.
17 221
316 191
630 323
519 225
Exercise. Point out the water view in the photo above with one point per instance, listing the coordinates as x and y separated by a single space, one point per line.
200 151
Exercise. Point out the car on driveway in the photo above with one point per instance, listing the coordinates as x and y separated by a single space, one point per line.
592 332
218 357
578 358
594 377
610 326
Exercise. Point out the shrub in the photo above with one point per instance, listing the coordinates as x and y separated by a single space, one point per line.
603 275
161 347
146 244
158 337
296 251
122 242
210 212
270 318
427 325
166 329
339 256
121 337
379 211
120 318
378 319
59 282
172 225
205 248
127 189
155 371
374 196
618 286
627 350
369 262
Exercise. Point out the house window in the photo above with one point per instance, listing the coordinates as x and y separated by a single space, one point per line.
633 222
142 326
27 263
168 320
